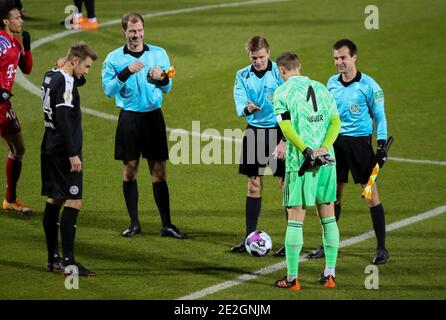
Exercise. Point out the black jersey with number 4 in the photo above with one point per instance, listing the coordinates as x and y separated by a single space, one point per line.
62 113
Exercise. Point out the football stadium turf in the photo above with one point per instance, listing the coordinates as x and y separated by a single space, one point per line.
406 57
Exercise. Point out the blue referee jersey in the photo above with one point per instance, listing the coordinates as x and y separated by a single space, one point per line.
259 88
360 103
135 93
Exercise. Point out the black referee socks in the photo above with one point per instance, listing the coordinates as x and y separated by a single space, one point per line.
49 221
253 206
379 225
130 189
161 195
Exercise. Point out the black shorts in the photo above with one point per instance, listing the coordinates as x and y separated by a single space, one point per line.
257 149
354 154
57 180
141 133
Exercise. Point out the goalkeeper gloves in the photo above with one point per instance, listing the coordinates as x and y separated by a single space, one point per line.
381 153
323 160
308 154
312 162
308 162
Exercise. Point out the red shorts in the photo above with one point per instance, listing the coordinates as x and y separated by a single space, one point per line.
9 124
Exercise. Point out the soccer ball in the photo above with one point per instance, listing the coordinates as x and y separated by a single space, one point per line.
258 243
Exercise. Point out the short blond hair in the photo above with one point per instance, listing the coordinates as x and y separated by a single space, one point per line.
82 51
288 60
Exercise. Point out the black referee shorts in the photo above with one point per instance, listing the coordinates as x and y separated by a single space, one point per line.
141 133
57 180
257 149
354 154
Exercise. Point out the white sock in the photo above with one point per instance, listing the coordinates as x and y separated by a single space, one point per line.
290 278
92 20
329 272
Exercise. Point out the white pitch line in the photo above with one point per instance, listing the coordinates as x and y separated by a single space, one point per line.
30 87
441 163
281 265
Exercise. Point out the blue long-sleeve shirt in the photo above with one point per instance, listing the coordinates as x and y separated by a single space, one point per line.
135 93
260 90
360 103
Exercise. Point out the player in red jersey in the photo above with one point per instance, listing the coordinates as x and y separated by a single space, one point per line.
13 53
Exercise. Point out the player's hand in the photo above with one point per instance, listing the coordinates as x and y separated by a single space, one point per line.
308 162
252 108
156 74
324 159
136 66
5 95
308 154
381 154
80 81
61 62
280 150
26 40
320 151
76 164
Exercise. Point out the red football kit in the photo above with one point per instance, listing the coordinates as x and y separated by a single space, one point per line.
12 55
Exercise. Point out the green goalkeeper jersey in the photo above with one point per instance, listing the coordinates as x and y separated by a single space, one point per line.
309 106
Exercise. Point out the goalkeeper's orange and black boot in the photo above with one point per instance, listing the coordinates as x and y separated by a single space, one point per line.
328 281
285 284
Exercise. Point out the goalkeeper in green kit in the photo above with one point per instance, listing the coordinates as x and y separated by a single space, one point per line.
307 114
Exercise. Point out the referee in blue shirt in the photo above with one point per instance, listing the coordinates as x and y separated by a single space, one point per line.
253 95
360 102
135 76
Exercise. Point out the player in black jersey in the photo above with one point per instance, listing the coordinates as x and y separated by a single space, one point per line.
61 155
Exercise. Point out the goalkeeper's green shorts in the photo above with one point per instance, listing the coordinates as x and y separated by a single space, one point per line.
314 187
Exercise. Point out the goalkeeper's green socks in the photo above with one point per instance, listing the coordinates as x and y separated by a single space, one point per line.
293 245
330 240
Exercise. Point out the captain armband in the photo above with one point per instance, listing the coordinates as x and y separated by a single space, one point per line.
283 116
